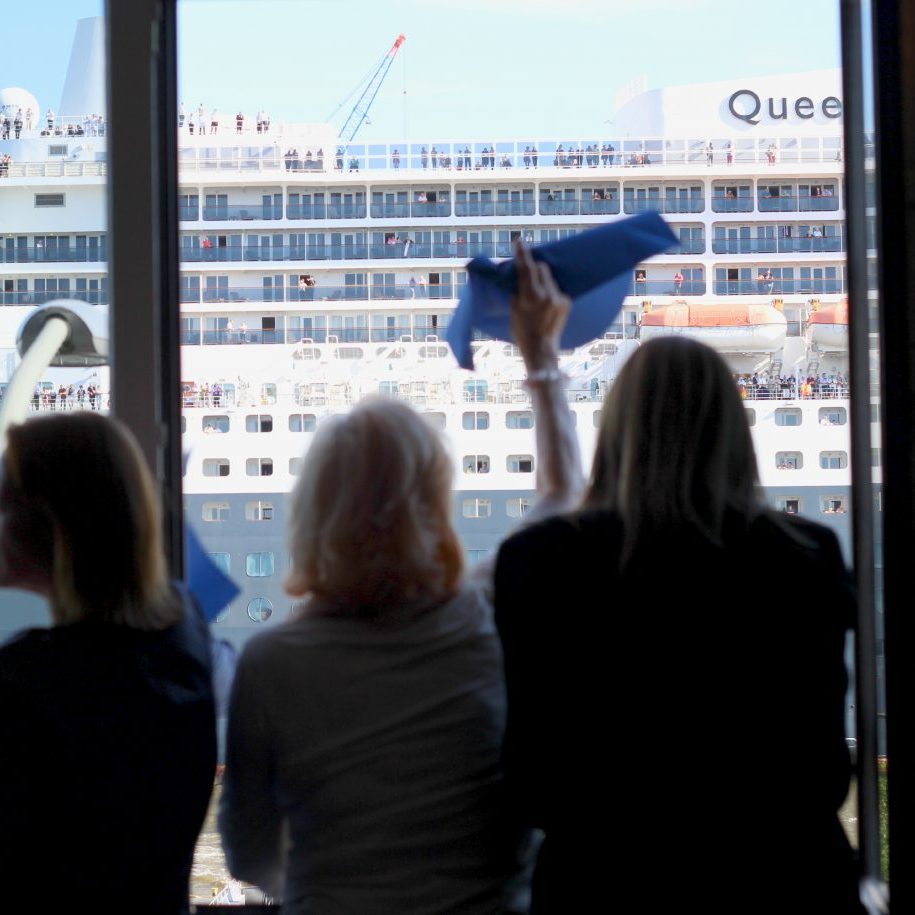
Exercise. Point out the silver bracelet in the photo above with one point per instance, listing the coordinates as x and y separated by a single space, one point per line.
545 376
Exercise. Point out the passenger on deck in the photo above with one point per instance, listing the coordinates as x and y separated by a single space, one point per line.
363 770
108 746
653 662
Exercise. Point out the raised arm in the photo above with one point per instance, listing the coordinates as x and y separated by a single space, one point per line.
539 314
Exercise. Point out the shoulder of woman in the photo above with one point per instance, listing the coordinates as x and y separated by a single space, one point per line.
558 533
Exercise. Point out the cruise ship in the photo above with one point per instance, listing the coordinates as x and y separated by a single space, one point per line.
314 274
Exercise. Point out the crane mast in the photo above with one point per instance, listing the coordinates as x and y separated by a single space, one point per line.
360 111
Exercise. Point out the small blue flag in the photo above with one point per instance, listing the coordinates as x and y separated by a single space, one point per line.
211 586
594 268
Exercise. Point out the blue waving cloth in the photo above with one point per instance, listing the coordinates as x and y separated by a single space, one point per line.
594 269
211 586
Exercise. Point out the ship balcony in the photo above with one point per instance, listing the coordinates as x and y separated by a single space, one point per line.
55 254
38 297
826 244
798 286
794 204
325 210
320 293
691 204
406 210
643 288
579 206
241 212
494 208
736 204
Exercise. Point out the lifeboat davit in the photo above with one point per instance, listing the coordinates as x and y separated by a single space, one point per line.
828 328
726 328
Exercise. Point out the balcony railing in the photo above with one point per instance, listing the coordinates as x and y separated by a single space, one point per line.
325 210
579 206
30 297
406 210
825 244
664 205
791 203
627 153
777 286
321 293
53 255
732 204
667 287
243 211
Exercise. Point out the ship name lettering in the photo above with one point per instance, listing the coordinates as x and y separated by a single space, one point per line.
745 104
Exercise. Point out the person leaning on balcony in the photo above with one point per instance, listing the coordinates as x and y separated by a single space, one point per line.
109 747
650 663
362 768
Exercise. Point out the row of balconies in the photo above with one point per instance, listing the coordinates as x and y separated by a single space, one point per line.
565 206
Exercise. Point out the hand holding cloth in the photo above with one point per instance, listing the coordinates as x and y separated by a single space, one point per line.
593 268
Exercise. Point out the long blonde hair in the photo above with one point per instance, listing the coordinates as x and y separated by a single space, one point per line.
370 518
674 446
80 500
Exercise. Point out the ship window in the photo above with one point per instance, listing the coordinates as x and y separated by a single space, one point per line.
268 394
790 505
214 424
478 420
260 610
297 608
516 508
350 352
833 416
520 463
833 505
476 508
259 423
258 511
50 200
475 556
216 511
57 149
789 460
476 463
751 416
519 419
788 416
295 466
303 422
215 467
875 413
833 460
436 420
875 457
223 561
259 565
475 390
259 467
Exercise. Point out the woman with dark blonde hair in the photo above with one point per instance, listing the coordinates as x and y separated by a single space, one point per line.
107 753
674 654
363 761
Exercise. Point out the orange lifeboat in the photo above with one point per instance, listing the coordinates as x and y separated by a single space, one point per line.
828 328
726 328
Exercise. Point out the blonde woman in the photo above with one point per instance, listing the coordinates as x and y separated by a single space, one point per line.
363 763
674 654
108 746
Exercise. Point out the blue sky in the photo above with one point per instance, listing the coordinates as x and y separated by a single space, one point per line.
469 68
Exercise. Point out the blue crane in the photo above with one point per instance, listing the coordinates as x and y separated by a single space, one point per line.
357 116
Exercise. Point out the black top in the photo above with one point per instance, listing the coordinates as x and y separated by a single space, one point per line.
107 757
678 729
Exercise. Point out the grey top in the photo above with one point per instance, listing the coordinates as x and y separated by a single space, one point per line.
363 764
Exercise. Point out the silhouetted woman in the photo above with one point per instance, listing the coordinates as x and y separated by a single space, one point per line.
363 763
107 736
674 659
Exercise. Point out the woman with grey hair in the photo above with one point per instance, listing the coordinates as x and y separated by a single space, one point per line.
674 654
363 763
